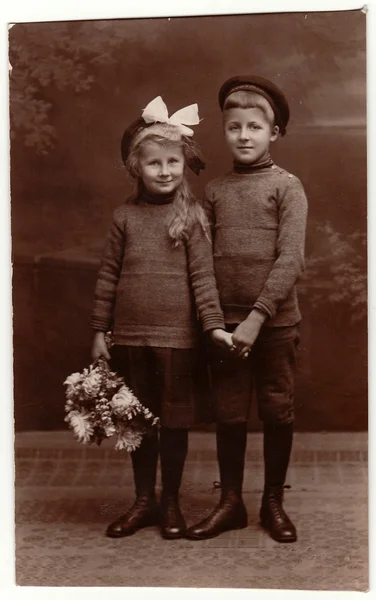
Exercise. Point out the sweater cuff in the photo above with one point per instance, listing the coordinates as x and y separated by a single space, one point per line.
213 322
98 324
266 307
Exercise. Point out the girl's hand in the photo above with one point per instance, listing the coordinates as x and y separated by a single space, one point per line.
246 333
221 338
99 347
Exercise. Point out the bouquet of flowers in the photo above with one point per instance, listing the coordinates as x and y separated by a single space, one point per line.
100 405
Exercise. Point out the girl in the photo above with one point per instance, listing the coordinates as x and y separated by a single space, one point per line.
157 262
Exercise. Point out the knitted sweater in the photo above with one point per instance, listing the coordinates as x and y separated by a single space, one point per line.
147 288
259 221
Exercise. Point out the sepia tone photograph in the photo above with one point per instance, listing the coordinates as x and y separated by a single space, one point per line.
190 191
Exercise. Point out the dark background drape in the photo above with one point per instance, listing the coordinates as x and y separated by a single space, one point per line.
74 87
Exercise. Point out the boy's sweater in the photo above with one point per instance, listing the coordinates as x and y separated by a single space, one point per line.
259 222
147 288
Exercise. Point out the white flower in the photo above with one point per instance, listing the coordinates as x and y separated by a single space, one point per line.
71 393
80 423
129 440
124 402
73 379
109 430
91 384
69 405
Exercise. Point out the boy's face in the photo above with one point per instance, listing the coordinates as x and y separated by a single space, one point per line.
248 133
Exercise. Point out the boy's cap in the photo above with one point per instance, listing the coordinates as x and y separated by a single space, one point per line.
265 88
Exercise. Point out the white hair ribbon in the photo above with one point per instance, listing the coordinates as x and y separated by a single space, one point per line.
156 112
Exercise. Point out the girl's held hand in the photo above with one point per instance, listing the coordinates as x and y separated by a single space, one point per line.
99 347
221 338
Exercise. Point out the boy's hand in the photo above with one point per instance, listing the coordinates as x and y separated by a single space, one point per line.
222 338
246 333
99 346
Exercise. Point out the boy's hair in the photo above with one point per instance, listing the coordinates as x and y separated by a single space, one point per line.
186 211
250 99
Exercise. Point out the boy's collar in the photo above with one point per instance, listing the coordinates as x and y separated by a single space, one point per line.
264 163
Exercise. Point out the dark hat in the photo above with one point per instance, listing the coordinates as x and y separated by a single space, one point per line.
265 88
194 161
129 134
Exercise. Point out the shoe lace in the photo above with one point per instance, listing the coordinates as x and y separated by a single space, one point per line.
171 508
216 486
143 502
275 505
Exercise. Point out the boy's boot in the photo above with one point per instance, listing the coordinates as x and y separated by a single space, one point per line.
173 452
277 450
144 511
230 513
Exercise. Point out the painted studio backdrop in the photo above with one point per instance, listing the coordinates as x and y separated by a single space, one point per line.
75 86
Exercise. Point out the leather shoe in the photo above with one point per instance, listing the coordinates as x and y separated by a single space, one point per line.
229 514
274 519
143 513
172 521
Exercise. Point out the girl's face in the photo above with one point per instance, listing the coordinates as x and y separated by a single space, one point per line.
248 133
161 167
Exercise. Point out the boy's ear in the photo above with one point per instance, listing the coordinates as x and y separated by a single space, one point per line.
275 133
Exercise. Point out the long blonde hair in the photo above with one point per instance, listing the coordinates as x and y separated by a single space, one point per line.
186 211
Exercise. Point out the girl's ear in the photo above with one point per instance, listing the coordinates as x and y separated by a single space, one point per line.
275 133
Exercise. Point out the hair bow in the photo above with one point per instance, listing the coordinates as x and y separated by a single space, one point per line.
156 112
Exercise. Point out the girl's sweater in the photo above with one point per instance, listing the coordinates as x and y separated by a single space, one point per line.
147 288
259 222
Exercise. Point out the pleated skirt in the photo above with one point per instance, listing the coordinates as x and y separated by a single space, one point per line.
172 382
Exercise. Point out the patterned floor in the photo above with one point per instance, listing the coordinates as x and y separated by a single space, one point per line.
66 494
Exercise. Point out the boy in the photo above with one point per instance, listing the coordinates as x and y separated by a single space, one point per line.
258 214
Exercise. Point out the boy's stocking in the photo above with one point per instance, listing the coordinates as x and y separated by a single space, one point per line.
277 450
231 447
230 513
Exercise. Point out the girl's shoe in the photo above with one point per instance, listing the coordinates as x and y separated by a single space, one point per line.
172 521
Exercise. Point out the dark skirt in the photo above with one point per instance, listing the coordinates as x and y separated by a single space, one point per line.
171 382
